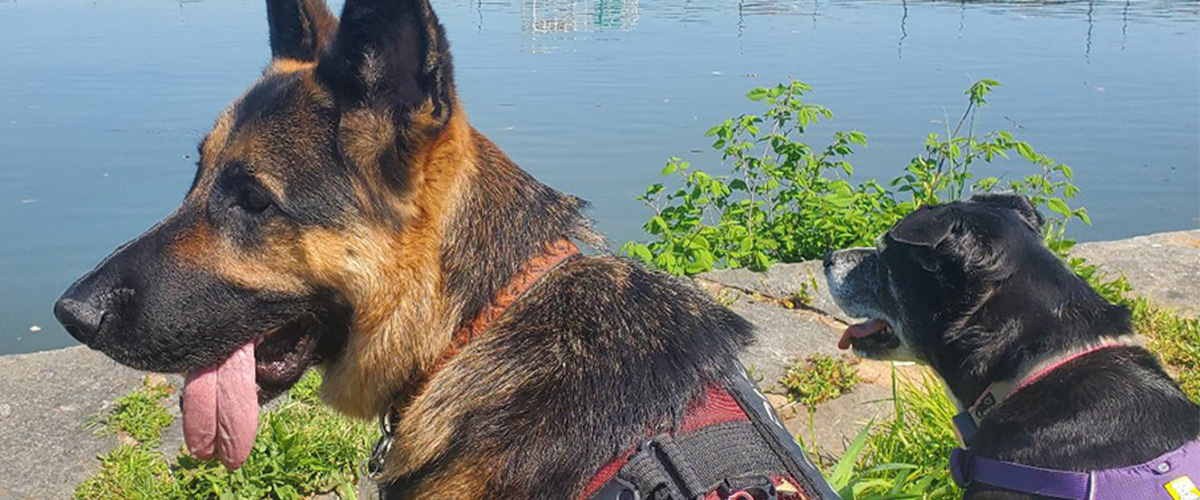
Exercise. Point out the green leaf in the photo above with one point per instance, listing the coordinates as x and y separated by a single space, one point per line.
660 224
1057 205
642 253
1026 151
843 470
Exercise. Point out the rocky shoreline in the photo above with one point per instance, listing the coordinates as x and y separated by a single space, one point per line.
47 398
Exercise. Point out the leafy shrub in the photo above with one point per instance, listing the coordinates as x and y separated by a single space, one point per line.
786 201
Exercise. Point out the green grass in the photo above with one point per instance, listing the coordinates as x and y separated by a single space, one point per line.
133 472
140 414
1175 339
904 457
818 379
302 448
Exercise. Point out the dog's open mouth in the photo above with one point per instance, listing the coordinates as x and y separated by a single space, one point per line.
869 336
220 402
281 357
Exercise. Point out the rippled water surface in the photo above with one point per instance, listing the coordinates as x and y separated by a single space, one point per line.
102 102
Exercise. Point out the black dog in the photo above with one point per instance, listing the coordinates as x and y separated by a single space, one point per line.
970 289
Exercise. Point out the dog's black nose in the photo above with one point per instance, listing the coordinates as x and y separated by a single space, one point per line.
828 258
81 319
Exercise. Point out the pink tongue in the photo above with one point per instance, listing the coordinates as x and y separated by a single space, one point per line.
220 409
861 330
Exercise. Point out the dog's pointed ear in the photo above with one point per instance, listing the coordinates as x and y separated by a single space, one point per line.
926 227
391 54
300 29
1017 202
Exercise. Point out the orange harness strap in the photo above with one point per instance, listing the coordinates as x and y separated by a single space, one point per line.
528 276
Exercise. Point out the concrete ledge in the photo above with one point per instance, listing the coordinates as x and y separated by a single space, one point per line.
1164 267
46 401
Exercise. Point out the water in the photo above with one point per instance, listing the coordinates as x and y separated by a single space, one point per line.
102 102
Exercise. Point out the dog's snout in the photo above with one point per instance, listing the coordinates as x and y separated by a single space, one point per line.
81 318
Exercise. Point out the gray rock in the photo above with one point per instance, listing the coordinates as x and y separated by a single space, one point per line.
783 336
804 280
1164 267
45 446
837 422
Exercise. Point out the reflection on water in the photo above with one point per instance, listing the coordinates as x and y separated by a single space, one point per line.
556 16
102 102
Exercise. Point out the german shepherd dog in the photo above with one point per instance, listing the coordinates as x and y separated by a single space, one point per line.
345 215
970 289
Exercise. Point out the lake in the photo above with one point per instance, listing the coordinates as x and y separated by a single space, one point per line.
102 103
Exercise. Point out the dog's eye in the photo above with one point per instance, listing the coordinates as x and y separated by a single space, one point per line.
254 199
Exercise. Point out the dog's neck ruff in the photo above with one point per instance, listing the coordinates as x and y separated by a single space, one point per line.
529 275
1167 477
967 421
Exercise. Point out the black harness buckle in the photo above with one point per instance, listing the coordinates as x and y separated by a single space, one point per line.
747 488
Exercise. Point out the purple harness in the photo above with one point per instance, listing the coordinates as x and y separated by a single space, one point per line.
1168 477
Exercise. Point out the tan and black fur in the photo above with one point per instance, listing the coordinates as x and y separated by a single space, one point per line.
346 212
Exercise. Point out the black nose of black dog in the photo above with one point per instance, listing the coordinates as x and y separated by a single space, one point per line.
81 319
828 258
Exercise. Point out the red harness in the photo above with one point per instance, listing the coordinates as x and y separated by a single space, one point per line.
718 407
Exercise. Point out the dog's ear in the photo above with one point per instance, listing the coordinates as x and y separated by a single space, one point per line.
300 29
391 55
926 227
1017 202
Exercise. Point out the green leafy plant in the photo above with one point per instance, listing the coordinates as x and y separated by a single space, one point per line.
818 379
881 482
784 200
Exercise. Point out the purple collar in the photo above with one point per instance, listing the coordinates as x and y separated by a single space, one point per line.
1168 477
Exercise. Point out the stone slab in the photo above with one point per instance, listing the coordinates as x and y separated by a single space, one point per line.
804 279
783 336
46 401
837 422
1164 267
